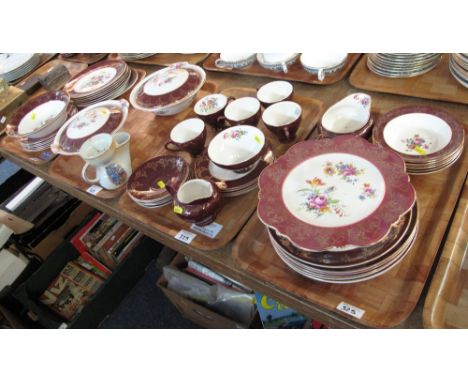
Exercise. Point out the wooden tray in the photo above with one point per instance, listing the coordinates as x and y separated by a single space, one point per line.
438 84
446 304
387 300
296 71
85 58
235 211
164 59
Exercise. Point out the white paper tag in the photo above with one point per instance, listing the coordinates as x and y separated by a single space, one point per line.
94 189
185 236
351 310
2 121
210 230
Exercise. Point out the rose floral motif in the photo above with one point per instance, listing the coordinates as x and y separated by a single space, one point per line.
367 192
87 120
347 171
364 101
417 143
234 134
320 201
208 104
98 80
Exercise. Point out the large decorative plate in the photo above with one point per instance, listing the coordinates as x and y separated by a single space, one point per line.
103 117
334 192
419 132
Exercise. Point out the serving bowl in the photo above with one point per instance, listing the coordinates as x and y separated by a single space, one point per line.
170 90
237 148
349 115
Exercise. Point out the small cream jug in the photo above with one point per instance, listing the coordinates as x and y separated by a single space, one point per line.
110 155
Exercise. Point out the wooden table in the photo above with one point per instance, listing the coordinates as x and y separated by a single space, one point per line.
221 260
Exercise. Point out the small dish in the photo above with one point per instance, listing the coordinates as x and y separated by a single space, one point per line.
283 119
349 115
275 91
237 148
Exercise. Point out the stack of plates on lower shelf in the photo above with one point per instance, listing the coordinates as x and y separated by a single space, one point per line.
13 66
147 184
102 81
429 139
37 121
230 182
402 65
458 65
339 210
135 56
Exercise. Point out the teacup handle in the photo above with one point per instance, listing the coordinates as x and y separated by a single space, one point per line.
222 123
221 64
167 147
85 177
284 66
321 74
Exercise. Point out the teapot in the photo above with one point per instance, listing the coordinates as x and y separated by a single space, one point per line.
196 201
110 155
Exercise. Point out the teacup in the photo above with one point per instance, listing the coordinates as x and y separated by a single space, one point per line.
196 201
235 60
283 119
242 111
321 64
275 91
211 108
278 62
188 135
237 148
349 115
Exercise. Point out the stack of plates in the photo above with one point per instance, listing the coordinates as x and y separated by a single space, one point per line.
103 81
13 66
37 121
428 139
147 184
338 210
458 65
402 65
135 56
230 182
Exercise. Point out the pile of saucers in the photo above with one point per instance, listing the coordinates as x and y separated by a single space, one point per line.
402 65
36 122
458 65
339 210
13 66
427 138
102 81
234 160
147 185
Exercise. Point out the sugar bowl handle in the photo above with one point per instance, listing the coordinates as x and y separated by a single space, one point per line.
86 178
